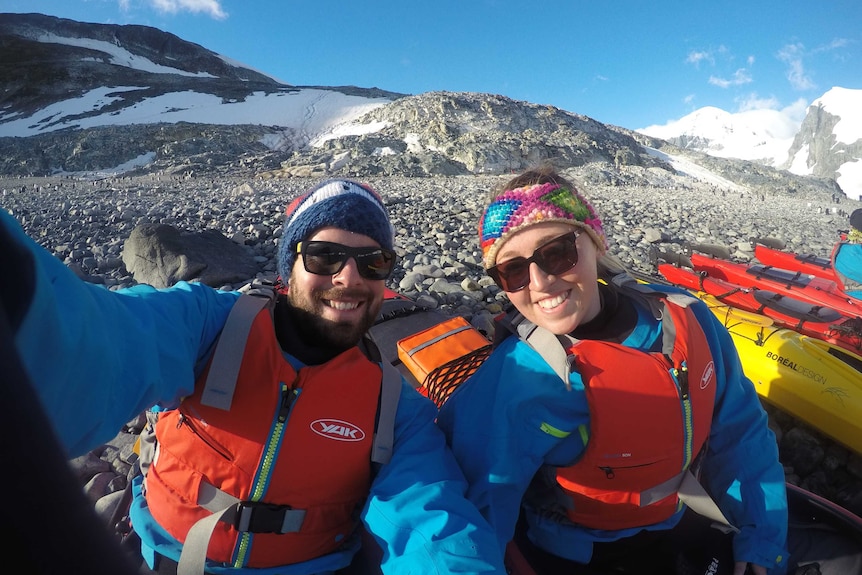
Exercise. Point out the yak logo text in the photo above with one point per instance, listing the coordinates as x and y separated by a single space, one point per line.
708 375
337 429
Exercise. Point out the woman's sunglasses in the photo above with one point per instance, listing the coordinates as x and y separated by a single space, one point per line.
554 257
328 258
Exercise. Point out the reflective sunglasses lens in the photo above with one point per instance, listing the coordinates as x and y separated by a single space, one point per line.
327 258
512 275
375 265
322 259
558 256
555 257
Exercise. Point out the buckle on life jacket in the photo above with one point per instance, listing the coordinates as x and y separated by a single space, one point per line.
262 517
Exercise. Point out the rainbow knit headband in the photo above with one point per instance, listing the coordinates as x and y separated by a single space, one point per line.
515 210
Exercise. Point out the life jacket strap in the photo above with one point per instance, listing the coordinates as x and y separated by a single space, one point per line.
227 358
384 432
245 516
549 346
692 493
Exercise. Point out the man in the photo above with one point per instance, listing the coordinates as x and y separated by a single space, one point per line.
274 455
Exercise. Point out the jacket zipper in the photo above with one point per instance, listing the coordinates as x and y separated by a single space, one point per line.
288 397
680 375
189 423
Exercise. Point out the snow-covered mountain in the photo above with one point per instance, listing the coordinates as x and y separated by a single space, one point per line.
827 142
60 74
109 98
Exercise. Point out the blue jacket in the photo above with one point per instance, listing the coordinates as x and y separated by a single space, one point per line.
848 265
98 358
514 416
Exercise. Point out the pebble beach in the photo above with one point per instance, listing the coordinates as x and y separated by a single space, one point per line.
84 222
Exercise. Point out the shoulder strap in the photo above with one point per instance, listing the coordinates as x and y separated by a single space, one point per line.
551 347
224 369
390 393
384 434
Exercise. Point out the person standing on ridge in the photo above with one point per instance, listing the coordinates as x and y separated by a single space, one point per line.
280 432
608 408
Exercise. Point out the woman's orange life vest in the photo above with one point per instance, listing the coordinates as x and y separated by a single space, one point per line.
294 448
650 415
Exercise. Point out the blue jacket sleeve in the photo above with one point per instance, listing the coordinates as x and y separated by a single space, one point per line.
98 358
512 416
742 470
417 509
848 268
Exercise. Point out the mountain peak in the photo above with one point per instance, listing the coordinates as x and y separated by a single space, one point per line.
73 91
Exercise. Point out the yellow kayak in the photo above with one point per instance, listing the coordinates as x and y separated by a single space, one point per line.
809 378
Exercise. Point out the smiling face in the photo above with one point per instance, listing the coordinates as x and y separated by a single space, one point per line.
335 310
558 303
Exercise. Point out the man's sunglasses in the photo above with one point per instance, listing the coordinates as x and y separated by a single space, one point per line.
328 258
554 257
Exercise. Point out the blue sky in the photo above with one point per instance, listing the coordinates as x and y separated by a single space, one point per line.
625 62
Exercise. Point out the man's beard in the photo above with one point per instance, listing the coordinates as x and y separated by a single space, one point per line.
319 332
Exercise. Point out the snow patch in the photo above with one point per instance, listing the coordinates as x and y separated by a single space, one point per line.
693 170
119 56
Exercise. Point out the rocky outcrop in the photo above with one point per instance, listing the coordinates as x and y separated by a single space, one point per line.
459 133
818 146
169 148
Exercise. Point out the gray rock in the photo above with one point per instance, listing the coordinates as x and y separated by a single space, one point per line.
160 255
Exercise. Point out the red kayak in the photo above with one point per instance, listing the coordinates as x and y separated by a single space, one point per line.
805 263
813 320
806 287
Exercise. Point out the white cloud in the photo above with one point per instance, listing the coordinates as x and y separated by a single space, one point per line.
740 77
212 8
834 44
697 57
790 116
792 55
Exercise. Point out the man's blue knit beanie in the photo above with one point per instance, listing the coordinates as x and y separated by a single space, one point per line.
343 204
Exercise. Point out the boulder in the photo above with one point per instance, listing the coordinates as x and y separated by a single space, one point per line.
160 255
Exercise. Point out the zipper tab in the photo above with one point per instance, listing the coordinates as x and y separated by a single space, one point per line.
288 395
609 472
682 377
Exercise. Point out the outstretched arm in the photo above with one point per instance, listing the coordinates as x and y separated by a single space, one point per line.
96 357
418 511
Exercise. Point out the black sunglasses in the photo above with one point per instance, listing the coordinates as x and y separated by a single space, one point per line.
554 257
328 258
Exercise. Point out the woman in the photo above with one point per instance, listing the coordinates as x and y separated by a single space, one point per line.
653 394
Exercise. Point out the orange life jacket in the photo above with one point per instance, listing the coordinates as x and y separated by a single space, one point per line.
274 469
650 416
